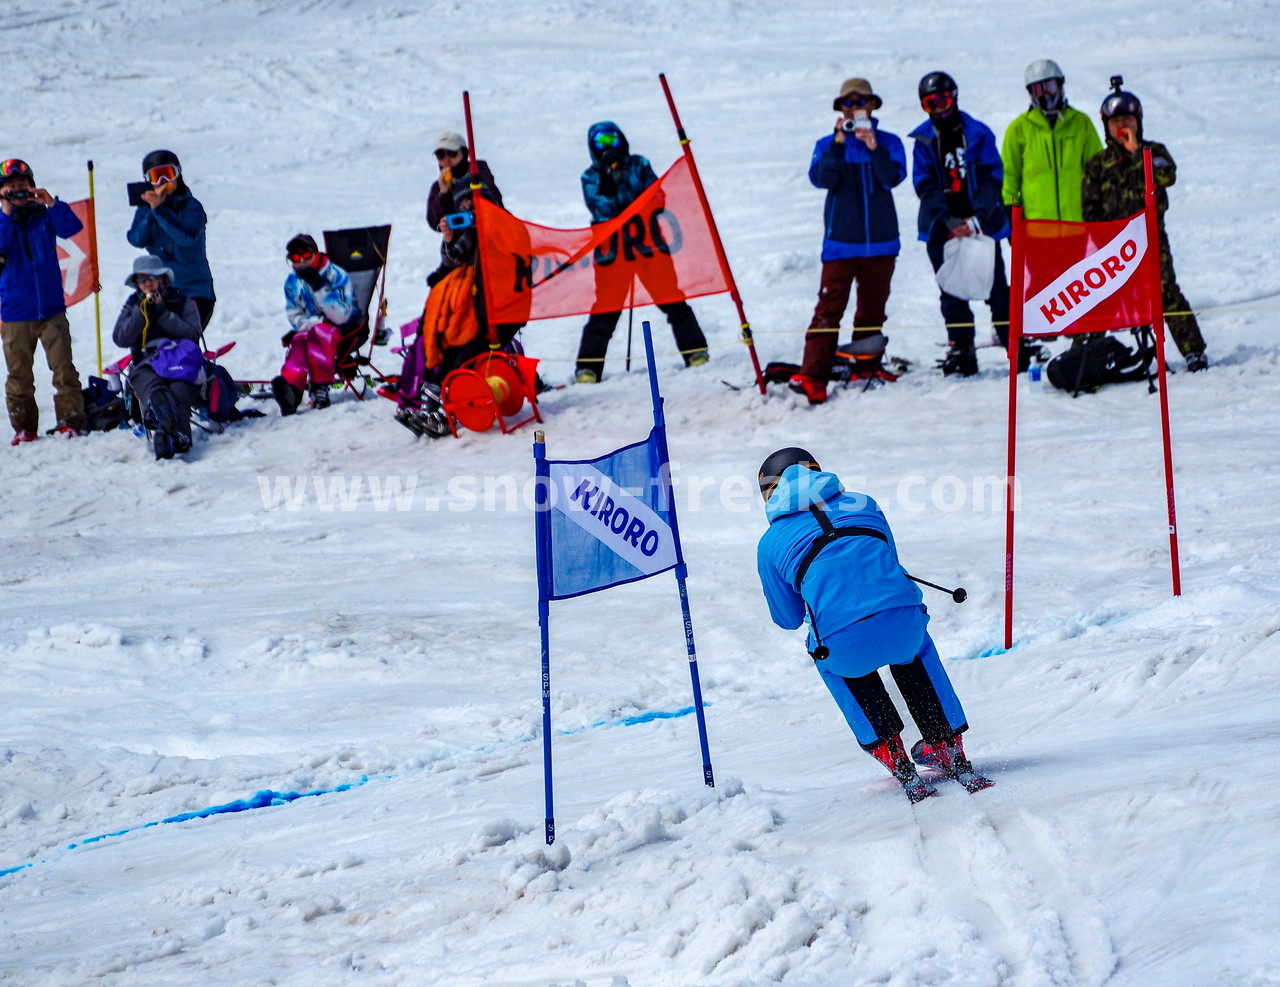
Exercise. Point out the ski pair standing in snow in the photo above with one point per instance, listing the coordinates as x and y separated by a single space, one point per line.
828 557
859 165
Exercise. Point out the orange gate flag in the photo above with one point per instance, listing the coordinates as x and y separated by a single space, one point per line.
78 258
662 245
1088 277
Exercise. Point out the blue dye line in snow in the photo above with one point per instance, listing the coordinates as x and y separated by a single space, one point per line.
266 798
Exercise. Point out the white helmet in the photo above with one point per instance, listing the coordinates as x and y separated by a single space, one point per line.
1045 68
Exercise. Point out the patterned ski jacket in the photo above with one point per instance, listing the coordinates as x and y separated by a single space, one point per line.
1044 165
859 219
332 302
851 578
174 232
31 282
984 176
1114 186
608 188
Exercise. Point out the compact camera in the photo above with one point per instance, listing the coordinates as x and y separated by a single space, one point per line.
460 220
860 122
19 195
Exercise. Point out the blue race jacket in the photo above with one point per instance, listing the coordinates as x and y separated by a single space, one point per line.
852 578
31 283
984 177
174 232
305 306
607 190
859 218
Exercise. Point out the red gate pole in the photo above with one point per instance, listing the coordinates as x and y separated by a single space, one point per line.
1157 326
474 175
715 234
1017 295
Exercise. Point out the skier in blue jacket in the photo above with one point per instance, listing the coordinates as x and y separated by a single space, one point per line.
616 179
859 165
958 175
828 557
33 309
171 225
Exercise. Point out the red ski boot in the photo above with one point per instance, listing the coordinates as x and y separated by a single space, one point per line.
950 757
893 756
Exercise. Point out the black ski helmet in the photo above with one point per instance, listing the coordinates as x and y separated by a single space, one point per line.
771 469
937 82
16 168
157 158
1120 103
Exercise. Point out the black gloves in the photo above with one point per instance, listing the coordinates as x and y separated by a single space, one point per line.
287 338
311 276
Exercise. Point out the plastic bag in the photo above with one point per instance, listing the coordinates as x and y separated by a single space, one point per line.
968 266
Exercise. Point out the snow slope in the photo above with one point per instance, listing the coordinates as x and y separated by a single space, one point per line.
174 637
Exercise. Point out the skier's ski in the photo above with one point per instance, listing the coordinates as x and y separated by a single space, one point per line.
961 770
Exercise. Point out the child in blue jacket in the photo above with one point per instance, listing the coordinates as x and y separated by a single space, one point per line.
828 557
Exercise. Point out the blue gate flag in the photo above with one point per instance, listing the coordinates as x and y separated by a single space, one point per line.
605 521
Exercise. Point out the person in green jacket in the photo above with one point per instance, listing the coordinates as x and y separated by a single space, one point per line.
1045 149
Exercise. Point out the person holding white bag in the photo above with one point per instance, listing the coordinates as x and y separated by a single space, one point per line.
958 175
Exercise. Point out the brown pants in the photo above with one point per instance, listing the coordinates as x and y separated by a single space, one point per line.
20 339
872 275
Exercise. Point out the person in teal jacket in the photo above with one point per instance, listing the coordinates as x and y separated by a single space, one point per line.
828 558
1045 149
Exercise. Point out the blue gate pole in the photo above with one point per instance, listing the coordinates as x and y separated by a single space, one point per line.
681 570
541 523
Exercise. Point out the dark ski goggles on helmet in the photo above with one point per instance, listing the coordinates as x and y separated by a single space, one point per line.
14 167
938 102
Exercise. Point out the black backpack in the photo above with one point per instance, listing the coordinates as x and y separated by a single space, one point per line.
1093 363
104 409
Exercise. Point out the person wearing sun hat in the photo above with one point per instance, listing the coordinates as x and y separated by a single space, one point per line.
858 165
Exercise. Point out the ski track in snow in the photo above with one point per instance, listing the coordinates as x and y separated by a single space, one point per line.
170 643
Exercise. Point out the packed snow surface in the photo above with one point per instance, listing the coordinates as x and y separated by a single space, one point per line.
326 609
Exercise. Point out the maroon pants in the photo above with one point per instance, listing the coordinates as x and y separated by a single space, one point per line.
872 275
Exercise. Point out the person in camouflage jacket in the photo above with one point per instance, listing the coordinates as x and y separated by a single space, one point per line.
1114 187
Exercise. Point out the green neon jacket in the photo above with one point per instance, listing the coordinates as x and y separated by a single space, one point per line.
1043 165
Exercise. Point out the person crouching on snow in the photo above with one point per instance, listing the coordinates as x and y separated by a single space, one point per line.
322 313
828 557
160 326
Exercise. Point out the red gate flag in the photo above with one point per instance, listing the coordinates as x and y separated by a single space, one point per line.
78 258
662 245
1087 277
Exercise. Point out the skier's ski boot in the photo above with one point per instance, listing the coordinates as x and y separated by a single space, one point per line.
961 360
950 757
813 389
319 396
891 754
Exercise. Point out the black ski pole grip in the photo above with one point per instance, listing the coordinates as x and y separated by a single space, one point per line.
959 594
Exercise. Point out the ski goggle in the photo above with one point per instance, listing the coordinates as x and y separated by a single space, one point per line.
306 257
14 167
163 174
606 139
938 102
1045 87
855 100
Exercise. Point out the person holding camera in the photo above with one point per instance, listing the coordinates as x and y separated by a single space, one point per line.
859 165
161 328
323 315
614 181
454 163
1114 187
169 223
32 306
958 175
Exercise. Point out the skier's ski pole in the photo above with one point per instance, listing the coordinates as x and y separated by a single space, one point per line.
958 594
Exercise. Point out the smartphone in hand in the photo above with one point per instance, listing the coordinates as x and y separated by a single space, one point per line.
135 192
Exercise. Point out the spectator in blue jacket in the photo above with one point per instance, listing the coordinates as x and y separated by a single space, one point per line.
957 174
323 320
828 557
859 165
614 181
32 307
171 226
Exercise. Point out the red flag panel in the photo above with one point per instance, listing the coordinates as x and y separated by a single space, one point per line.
662 248
1088 277
77 258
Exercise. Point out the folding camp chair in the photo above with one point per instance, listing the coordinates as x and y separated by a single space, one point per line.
362 253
